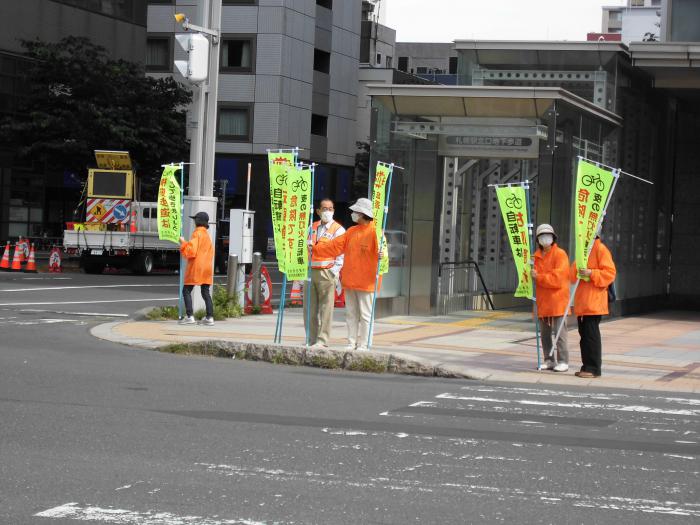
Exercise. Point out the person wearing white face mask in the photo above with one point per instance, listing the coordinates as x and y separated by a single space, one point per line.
551 278
324 273
361 251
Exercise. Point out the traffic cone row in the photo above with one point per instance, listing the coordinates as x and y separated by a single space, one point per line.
18 258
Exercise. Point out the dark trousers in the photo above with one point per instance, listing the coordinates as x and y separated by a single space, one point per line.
591 345
187 296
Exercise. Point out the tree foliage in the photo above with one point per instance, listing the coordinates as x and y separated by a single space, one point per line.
78 100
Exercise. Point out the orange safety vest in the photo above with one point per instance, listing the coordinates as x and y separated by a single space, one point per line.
318 262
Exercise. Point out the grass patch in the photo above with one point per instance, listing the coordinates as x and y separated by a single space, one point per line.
367 364
320 361
225 307
163 313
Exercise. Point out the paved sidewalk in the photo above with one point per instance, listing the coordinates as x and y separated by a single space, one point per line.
659 351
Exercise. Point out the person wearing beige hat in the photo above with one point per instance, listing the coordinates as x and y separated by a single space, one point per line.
551 278
361 250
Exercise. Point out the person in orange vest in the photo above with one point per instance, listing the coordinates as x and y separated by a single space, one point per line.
591 303
361 250
324 274
551 277
199 252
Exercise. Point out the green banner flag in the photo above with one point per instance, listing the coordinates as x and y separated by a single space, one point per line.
298 207
279 162
593 185
169 206
513 203
381 175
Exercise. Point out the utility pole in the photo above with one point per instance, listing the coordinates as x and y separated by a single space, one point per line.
200 194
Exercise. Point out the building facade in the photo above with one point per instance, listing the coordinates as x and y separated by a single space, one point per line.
288 78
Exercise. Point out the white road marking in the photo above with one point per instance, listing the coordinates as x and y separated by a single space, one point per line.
35 310
125 517
598 406
93 302
49 288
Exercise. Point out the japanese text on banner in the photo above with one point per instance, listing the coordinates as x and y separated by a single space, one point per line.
513 203
295 229
169 216
592 188
279 163
381 176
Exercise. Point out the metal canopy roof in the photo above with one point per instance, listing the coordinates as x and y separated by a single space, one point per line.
477 101
672 64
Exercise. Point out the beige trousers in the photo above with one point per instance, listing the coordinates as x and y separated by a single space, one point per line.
358 310
322 301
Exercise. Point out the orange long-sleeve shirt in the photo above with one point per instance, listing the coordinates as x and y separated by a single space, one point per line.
359 244
199 253
552 283
592 296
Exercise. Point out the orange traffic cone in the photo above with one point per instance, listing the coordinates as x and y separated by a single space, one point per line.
31 261
5 263
22 256
295 294
339 297
17 259
132 226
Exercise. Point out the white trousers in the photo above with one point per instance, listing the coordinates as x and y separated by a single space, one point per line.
358 310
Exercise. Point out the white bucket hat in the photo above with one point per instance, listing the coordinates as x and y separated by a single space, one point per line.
545 228
363 206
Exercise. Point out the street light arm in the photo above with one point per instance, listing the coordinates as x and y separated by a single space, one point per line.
181 18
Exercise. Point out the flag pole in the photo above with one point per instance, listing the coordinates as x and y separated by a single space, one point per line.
616 177
307 288
379 257
180 302
280 310
532 263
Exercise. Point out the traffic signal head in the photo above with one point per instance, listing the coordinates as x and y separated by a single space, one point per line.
196 67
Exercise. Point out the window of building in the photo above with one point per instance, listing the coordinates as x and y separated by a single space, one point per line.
233 123
129 10
421 70
319 125
328 4
237 54
389 62
403 64
322 61
453 66
158 53
637 3
379 59
615 16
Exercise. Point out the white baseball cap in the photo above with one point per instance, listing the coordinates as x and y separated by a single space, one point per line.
363 206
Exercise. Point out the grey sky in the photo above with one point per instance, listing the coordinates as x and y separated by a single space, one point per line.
448 20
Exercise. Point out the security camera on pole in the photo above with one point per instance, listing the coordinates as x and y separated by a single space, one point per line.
202 69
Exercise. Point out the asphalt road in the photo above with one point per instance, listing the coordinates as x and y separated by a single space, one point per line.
93 432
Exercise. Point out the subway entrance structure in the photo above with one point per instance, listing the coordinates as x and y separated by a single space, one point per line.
526 111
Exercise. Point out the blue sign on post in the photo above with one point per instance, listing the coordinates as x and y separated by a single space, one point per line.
120 212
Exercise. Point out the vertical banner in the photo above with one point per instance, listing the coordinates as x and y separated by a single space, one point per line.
381 175
295 230
593 185
513 203
280 163
169 214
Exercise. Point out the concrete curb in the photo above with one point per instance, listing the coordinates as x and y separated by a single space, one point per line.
375 362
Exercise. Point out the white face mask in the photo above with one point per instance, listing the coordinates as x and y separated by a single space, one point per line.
355 216
326 216
546 239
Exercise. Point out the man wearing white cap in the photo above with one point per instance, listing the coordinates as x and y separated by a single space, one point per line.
361 250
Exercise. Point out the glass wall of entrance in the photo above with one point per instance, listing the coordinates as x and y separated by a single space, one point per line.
449 246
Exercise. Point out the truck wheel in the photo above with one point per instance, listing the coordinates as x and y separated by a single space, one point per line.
93 267
144 263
